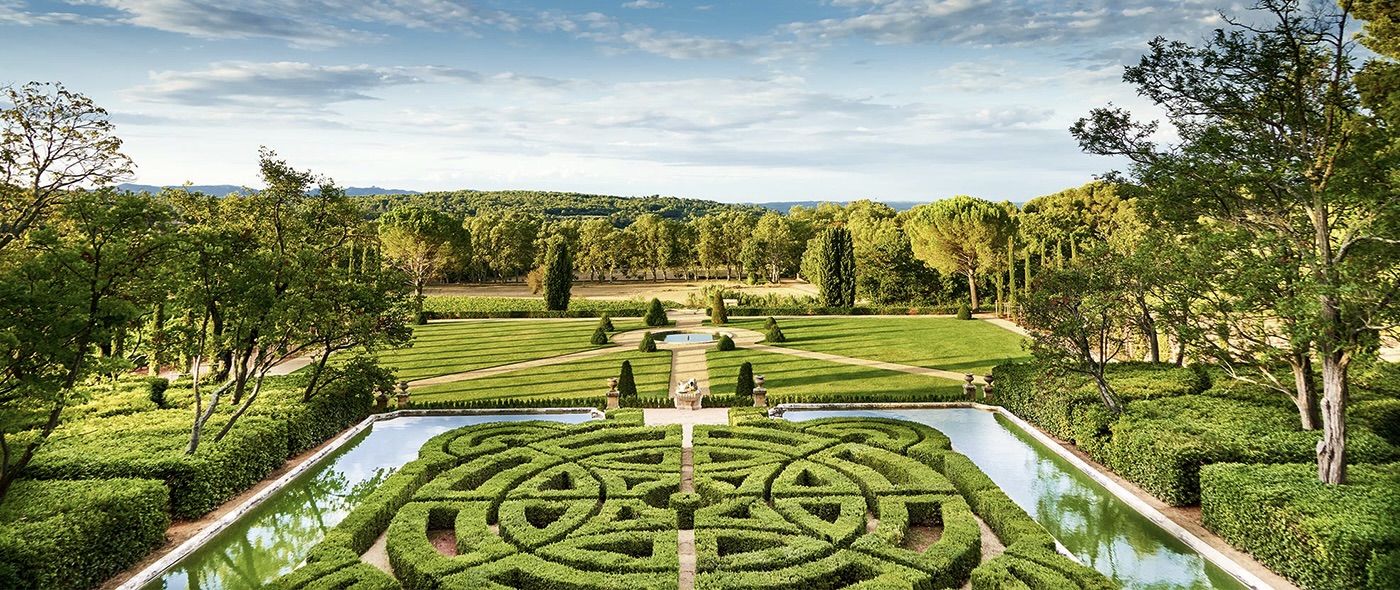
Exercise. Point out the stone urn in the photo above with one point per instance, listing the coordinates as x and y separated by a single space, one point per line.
381 399
969 389
987 389
688 395
760 393
402 396
614 396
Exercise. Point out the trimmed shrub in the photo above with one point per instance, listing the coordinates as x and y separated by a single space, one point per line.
685 504
725 343
775 335
605 323
964 312
75 534
769 323
745 385
718 315
157 394
626 383
648 343
656 314
1317 535
600 336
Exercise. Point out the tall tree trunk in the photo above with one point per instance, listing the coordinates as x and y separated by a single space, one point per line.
1305 390
1149 329
1180 357
316 375
972 287
252 397
1331 450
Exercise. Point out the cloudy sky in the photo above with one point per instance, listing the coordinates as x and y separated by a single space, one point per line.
734 100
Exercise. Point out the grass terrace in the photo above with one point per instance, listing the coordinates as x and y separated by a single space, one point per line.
937 343
797 379
573 380
445 348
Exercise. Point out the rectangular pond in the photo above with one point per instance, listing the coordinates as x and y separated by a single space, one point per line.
1095 526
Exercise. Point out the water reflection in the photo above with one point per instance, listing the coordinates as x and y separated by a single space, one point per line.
273 538
1095 526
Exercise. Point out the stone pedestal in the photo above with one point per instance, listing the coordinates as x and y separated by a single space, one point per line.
760 397
402 396
381 401
969 389
614 400
987 389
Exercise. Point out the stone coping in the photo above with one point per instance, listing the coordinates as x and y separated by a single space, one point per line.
1213 555
159 568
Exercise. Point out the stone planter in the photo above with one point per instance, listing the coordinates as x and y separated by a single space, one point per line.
688 401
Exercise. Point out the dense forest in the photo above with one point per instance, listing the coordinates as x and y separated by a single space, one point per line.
621 210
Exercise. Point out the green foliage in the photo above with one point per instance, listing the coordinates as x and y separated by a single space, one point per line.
964 312
605 323
158 387
424 244
76 534
718 316
962 235
745 385
834 265
600 336
1316 535
626 384
555 204
725 343
558 276
685 504
769 323
470 307
813 309
656 314
648 342
775 335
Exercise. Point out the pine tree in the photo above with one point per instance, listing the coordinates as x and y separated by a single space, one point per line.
745 385
600 336
718 315
648 343
558 276
605 323
656 314
626 384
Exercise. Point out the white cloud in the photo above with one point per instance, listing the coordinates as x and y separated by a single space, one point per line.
643 4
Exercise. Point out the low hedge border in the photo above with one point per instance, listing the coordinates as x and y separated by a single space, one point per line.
75 534
1339 536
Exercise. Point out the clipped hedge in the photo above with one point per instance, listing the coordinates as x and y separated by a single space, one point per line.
1318 536
75 534
469 307
748 311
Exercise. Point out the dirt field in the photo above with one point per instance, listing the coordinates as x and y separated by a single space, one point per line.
624 290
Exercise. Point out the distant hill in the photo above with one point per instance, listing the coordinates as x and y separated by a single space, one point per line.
785 206
555 204
224 189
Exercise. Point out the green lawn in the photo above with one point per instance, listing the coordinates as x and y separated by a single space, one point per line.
937 343
444 348
790 375
577 379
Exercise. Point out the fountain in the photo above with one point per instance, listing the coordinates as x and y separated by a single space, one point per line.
688 395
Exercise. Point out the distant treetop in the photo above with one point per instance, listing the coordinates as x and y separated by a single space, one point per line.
621 210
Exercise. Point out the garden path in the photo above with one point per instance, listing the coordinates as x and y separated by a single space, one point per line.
836 358
489 371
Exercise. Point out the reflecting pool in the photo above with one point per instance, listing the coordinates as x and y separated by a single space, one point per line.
1097 527
273 538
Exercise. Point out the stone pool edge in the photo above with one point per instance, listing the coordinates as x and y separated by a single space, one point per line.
1213 555
161 566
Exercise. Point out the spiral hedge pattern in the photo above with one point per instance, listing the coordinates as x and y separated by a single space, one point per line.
777 506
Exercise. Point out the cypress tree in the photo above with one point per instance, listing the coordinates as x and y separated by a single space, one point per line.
745 385
718 315
600 336
648 343
836 267
656 314
605 323
626 384
558 276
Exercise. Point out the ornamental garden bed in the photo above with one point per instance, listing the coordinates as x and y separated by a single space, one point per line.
837 503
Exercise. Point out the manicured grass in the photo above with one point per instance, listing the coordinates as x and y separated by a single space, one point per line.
793 376
577 379
445 348
937 343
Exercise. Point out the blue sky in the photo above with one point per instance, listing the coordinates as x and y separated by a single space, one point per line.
756 100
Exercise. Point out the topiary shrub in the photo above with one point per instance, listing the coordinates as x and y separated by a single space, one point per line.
600 336
605 322
718 315
648 343
768 325
775 335
626 383
745 384
725 343
158 387
656 314
964 312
